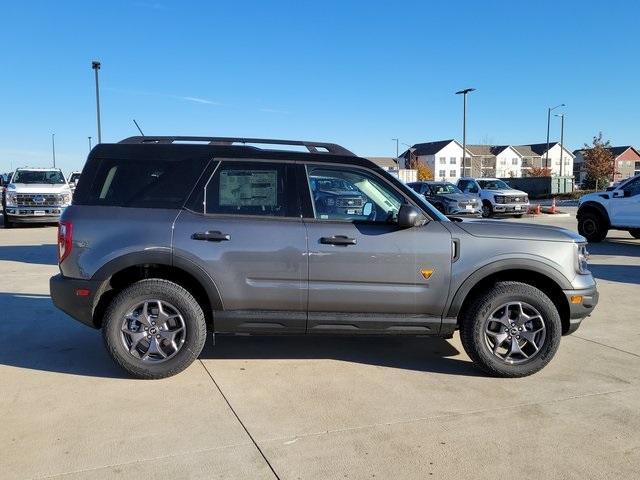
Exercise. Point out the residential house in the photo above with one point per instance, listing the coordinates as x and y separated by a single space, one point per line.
386 163
443 157
626 163
495 161
535 155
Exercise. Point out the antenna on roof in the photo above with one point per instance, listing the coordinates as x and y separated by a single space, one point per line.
138 127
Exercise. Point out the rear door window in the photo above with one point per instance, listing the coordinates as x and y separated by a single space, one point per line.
143 183
257 188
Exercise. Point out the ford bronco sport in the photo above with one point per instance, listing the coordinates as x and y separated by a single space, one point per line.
167 239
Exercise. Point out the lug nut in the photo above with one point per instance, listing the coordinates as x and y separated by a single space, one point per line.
149 337
509 337
513 324
157 336
146 328
153 323
518 337
519 329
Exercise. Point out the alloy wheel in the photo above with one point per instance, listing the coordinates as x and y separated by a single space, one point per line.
515 332
153 331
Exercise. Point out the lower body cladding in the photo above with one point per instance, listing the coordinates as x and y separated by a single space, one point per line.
77 298
510 209
48 214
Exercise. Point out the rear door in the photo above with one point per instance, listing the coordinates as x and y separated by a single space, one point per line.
245 230
366 275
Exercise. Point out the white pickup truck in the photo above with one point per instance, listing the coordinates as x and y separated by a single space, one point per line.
616 209
35 195
497 197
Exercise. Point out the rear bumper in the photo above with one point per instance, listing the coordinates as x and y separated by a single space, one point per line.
578 311
63 294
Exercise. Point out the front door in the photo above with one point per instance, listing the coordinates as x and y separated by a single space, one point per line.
245 231
366 274
625 211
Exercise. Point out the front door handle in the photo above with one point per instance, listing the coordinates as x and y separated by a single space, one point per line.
338 240
211 236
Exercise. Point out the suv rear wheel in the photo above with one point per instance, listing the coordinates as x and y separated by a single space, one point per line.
511 330
154 329
592 226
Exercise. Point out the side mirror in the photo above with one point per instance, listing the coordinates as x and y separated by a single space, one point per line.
408 216
618 194
367 209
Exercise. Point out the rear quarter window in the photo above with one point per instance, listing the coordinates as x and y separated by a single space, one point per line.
143 183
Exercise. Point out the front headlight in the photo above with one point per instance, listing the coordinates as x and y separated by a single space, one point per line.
10 198
65 199
582 259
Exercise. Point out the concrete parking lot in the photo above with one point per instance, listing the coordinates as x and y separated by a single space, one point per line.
315 408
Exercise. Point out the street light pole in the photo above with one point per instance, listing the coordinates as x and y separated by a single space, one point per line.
546 154
397 146
53 148
89 143
96 66
561 140
464 126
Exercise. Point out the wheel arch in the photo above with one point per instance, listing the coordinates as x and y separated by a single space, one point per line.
126 270
533 273
594 207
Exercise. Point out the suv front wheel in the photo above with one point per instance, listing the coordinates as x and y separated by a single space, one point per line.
592 227
511 330
154 329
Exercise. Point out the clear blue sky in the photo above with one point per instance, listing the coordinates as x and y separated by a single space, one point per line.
357 73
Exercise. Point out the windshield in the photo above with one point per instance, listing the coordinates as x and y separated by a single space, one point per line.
52 177
493 185
323 183
444 188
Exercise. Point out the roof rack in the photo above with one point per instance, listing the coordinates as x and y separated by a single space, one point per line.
312 147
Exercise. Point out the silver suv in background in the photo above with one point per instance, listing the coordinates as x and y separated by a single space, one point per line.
496 195
167 239
35 195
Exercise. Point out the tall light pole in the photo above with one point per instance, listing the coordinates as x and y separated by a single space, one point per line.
89 143
549 110
53 148
561 140
464 126
96 66
397 146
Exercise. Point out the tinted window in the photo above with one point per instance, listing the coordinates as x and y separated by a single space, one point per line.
493 185
444 188
368 198
143 183
632 188
251 188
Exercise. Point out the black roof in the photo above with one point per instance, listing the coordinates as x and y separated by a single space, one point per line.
225 147
428 148
615 151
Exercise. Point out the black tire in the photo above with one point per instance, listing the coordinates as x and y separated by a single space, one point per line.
635 232
6 222
475 318
518 216
487 209
592 227
165 291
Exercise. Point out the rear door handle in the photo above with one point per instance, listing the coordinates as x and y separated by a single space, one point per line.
338 240
211 236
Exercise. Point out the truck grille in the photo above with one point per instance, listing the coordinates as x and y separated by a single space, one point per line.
349 202
509 199
38 199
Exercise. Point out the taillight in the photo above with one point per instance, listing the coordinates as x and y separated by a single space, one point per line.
65 237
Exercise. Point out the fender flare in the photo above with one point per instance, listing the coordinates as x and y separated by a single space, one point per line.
500 266
161 257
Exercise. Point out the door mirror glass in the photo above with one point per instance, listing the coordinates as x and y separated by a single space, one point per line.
368 208
408 216
618 194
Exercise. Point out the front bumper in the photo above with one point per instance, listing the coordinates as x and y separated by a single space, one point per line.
34 214
511 209
578 311
63 294
457 211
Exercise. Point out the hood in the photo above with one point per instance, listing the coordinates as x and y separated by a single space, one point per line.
510 191
595 196
459 197
519 231
38 188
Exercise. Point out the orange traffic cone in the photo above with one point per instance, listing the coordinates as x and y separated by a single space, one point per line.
553 205
538 209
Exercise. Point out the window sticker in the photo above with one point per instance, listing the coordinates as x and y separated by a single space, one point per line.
249 188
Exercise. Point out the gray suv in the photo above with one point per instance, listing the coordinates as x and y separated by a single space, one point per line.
170 237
